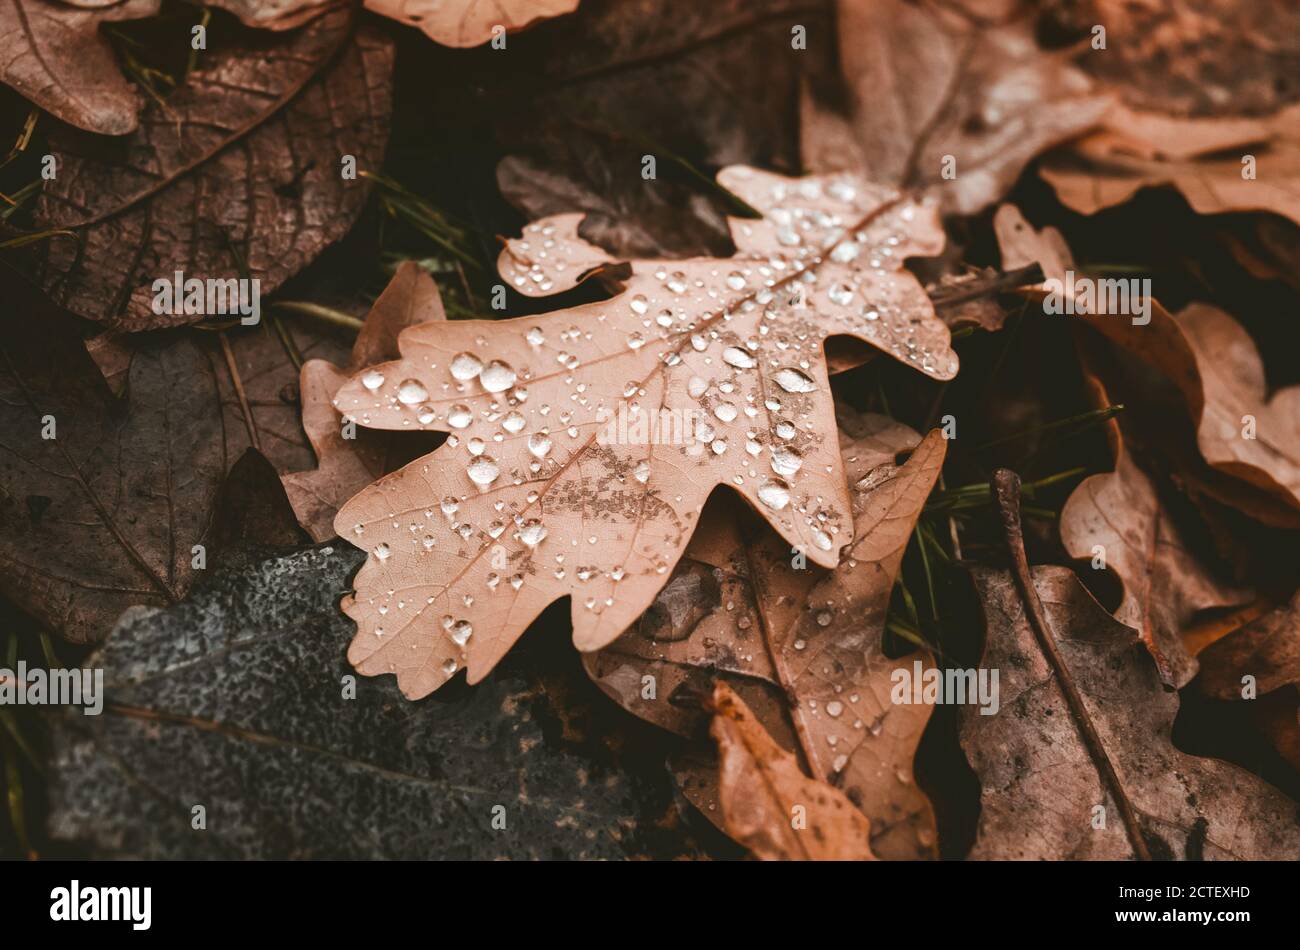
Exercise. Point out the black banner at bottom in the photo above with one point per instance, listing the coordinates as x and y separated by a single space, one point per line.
333 899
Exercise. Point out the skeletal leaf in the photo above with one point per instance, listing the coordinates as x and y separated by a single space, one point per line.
1043 797
53 53
769 805
943 98
345 466
470 22
585 441
222 177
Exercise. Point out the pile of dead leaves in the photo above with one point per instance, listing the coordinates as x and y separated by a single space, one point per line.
809 397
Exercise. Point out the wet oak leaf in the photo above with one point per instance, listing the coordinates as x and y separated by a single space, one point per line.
929 86
815 635
241 167
832 664
1041 788
769 805
555 485
54 54
470 22
347 465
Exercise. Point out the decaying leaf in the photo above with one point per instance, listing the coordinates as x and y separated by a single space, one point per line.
105 513
586 440
470 22
223 177
53 53
347 465
238 700
769 805
1043 796
930 86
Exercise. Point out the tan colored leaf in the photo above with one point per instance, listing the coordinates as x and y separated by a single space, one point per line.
1042 790
345 466
1267 649
53 53
1202 158
770 806
470 22
554 484
928 83
815 635
832 664
1165 584
222 176
1218 370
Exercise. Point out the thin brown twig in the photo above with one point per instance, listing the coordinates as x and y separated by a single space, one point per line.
1006 484
244 407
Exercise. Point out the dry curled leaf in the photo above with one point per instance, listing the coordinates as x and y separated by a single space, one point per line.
347 465
1043 797
53 53
554 484
470 22
240 168
929 85
769 805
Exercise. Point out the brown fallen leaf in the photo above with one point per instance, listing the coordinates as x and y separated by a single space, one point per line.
1240 430
769 805
345 466
1043 796
103 501
470 22
1117 519
1204 158
1267 648
928 84
53 53
701 105
179 195
554 484
814 635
